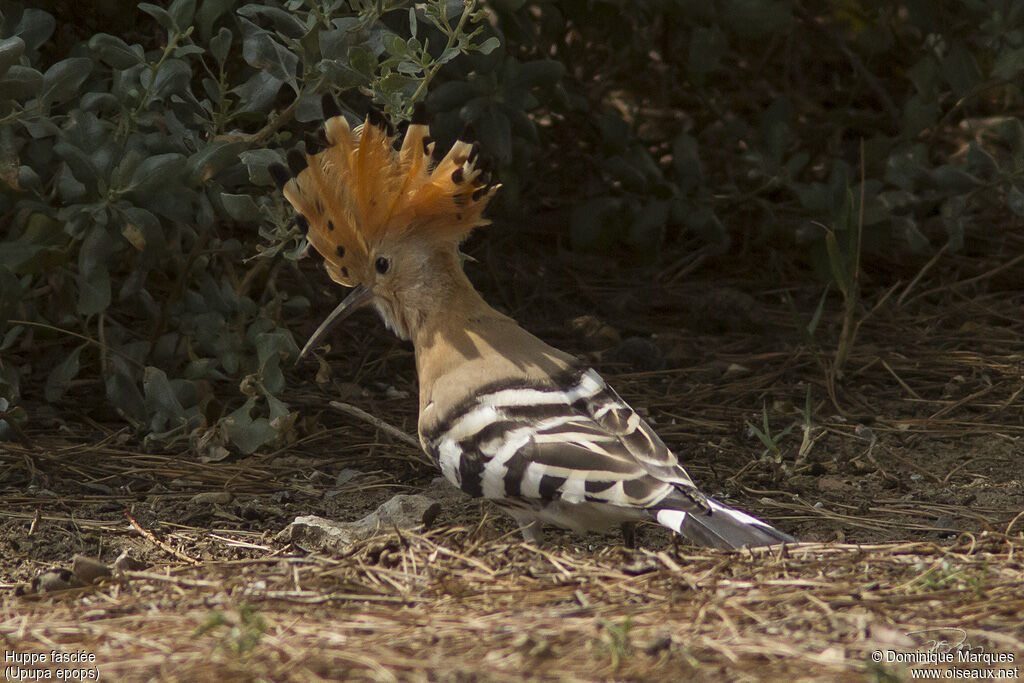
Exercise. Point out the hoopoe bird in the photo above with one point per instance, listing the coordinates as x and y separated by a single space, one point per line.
507 417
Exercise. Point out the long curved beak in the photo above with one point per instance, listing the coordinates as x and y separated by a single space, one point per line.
356 299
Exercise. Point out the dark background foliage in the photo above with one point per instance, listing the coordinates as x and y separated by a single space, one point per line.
143 247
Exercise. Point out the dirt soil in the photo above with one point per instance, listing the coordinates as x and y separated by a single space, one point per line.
905 485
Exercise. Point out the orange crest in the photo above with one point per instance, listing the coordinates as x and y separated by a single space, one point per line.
359 191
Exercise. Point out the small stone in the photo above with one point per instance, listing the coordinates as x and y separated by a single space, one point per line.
211 498
594 333
347 391
395 394
831 483
345 476
735 369
127 563
640 354
865 433
402 511
312 533
662 642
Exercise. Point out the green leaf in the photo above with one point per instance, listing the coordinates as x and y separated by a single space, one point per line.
905 168
275 345
59 378
79 162
626 173
703 223
14 254
980 163
115 52
283 21
162 169
838 264
69 190
220 44
62 80
209 12
20 83
925 76
123 392
1015 200
212 159
952 212
258 93
594 224
919 113
960 69
812 324
496 132
362 60
341 75
248 434
1009 64
756 18
448 55
489 45
775 130
648 227
182 12
954 178
35 27
10 336
142 229
686 162
188 50
1010 131
395 45
11 292
522 125
395 82
93 273
707 45
11 50
162 16
241 207
261 51
159 394
451 95
173 77
100 102
537 73
257 161
907 227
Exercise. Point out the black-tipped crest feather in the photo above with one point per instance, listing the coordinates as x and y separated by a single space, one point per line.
279 174
296 161
330 106
419 114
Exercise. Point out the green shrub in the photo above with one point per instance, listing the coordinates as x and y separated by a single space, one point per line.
133 176
744 119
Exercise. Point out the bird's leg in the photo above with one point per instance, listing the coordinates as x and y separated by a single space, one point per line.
629 534
533 531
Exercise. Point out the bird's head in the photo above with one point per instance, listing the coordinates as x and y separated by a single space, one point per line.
383 219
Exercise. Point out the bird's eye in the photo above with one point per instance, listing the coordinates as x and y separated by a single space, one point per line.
382 265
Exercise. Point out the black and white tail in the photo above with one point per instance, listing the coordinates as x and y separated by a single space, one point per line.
721 527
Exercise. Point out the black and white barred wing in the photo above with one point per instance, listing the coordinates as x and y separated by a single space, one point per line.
581 458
